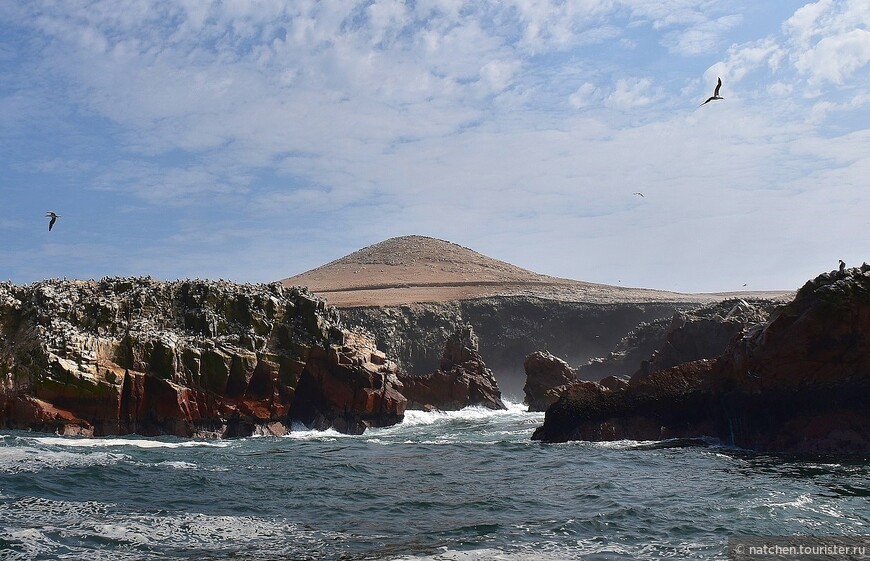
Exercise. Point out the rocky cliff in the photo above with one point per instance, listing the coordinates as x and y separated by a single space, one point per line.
689 335
798 383
412 291
509 328
547 377
188 358
462 378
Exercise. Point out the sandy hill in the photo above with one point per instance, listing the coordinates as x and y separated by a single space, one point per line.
412 269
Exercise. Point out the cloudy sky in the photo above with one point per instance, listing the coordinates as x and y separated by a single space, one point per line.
255 140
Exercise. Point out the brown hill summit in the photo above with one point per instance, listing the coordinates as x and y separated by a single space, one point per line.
412 269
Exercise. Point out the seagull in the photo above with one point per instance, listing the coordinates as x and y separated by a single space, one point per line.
54 218
715 95
638 193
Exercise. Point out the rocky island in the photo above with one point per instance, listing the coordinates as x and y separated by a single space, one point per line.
208 359
422 323
798 383
186 358
412 292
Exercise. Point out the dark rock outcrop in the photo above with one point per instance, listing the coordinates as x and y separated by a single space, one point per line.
407 291
188 358
689 335
509 329
671 403
349 389
462 380
706 332
546 377
799 383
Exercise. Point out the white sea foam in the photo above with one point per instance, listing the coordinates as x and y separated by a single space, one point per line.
606 444
112 441
80 523
800 501
485 554
301 432
14 459
416 417
178 464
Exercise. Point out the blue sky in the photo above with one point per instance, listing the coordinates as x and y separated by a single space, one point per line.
255 140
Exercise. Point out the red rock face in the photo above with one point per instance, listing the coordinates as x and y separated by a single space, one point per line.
463 379
348 390
123 356
798 384
546 377
44 417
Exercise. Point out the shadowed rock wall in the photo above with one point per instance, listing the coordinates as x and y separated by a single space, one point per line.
509 328
797 384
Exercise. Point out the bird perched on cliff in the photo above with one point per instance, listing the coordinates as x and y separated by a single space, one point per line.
842 265
715 95
54 218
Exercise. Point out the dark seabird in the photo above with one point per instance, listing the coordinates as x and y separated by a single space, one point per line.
53 219
842 265
715 95
638 193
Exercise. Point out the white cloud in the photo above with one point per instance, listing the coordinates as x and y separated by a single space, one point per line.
829 39
702 38
834 59
744 59
633 93
330 125
585 95
499 74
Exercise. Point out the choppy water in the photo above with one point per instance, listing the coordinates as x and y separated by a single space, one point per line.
459 486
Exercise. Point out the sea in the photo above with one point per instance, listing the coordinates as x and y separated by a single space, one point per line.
458 486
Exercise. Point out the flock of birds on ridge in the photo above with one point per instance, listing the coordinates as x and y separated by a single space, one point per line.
53 217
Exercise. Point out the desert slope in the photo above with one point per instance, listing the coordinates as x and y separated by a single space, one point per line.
417 269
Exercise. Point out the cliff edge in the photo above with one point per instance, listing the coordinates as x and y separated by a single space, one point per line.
186 358
798 384
412 291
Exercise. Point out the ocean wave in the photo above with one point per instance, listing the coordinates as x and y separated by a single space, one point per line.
110 441
301 432
178 464
416 417
24 459
491 554
80 531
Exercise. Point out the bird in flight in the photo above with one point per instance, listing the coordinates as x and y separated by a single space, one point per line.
53 219
715 95
638 193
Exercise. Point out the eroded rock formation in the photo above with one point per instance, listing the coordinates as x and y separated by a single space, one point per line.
689 335
349 388
547 376
462 379
188 358
799 383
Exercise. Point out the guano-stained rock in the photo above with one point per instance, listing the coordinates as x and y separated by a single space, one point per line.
187 358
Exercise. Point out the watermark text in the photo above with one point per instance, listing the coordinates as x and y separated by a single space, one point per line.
802 548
